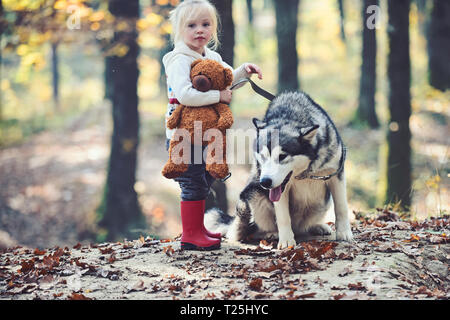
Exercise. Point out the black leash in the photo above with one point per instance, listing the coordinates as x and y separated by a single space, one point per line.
259 91
256 88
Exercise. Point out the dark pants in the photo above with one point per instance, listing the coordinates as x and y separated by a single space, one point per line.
196 182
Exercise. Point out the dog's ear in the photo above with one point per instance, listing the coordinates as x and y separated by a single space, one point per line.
258 123
309 132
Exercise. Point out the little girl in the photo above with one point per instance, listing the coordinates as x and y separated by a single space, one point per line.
194 28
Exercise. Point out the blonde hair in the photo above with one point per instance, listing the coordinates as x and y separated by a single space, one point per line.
189 10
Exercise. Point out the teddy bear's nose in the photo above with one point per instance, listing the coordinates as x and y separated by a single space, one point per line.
201 83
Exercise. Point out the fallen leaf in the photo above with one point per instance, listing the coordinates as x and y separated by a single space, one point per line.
169 250
443 238
106 250
27 266
256 284
346 271
47 282
357 286
346 256
423 290
306 295
338 296
398 225
230 293
270 265
388 247
112 258
413 238
39 252
137 286
254 252
318 250
337 288
77 296
388 216
293 254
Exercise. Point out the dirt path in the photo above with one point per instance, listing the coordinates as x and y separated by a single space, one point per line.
390 259
51 185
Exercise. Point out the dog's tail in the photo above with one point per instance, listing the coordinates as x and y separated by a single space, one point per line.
217 221
234 228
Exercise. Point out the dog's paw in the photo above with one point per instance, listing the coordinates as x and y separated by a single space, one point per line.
320 230
344 235
286 239
286 243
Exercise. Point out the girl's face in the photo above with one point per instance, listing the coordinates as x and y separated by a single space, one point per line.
198 32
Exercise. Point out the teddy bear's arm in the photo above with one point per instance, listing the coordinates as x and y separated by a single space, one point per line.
225 116
175 117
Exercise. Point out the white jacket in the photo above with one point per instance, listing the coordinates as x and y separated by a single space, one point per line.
177 65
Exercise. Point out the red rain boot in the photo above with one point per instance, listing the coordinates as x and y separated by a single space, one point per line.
193 237
217 235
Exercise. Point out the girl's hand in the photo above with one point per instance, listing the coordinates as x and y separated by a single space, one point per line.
225 96
253 68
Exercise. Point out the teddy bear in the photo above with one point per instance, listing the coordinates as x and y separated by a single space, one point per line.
206 74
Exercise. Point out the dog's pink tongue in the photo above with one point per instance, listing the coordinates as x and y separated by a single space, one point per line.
275 194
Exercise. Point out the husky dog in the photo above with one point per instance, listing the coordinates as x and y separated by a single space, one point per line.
300 166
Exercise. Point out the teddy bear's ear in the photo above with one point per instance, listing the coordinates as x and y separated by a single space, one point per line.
228 76
196 62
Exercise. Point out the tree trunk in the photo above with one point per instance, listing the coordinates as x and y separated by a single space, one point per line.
55 74
168 46
286 29
163 10
422 10
365 114
108 78
342 19
226 35
439 45
120 211
218 196
399 135
250 12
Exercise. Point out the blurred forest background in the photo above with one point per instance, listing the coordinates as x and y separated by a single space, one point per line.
83 99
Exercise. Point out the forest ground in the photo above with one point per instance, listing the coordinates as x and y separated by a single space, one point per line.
51 185
390 259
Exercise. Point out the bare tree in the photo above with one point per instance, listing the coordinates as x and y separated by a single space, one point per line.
365 114
286 12
439 45
399 134
342 18
55 73
250 11
218 196
226 36
120 211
